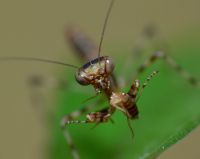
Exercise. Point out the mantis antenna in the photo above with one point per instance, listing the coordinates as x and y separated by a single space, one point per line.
104 26
36 59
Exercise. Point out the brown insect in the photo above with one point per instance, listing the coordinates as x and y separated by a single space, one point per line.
99 72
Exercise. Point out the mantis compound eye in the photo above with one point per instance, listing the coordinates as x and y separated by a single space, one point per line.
81 78
109 65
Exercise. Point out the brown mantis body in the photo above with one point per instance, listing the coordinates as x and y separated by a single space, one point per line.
98 72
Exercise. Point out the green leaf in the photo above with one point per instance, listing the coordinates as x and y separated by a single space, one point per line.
169 109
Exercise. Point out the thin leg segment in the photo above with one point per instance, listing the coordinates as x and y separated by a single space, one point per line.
170 61
149 78
94 117
150 39
68 119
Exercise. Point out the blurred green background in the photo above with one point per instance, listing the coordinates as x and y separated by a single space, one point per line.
36 28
